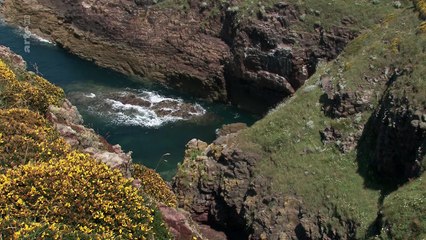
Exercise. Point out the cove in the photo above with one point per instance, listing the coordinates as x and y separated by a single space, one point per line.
153 122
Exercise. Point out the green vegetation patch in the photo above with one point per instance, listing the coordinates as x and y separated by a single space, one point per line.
404 211
332 183
358 14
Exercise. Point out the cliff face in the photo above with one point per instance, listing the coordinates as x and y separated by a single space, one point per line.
344 158
157 44
206 49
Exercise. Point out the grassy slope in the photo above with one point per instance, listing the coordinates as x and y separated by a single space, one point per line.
339 184
405 209
328 13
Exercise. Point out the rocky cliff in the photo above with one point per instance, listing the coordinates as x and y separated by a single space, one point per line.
253 56
344 158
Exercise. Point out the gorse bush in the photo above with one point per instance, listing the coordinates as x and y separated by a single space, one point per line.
73 196
33 92
421 6
27 136
5 72
49 191
153 185
422 27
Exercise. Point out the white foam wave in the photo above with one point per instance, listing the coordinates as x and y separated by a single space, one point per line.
200 111
26 33
41 39
132 115
121 118
156 98
90 95
155 110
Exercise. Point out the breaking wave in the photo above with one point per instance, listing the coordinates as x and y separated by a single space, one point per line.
136 107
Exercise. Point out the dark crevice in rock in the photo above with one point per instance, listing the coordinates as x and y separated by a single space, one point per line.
393 144
226 219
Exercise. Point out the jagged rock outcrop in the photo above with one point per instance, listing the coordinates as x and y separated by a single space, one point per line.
204 49
16 60
270 60
69 123
184 228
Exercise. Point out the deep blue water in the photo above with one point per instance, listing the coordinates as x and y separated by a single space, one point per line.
136 129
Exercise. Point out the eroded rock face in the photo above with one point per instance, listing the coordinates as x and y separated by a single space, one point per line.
255 64
217 184
270 61
15 60
400 132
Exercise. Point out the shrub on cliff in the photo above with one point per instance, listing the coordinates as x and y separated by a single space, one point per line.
75 196
421 6
27 136
29 91
153 185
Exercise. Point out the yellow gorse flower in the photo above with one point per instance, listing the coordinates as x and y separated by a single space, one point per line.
48 190
421 6
27 136
153 185
33 91
72 197
5 72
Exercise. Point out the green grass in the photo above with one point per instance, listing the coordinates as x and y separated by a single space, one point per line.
327 13
337 185
404 211
363 13
182 5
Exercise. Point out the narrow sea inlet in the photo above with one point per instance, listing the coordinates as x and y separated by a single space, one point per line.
153 122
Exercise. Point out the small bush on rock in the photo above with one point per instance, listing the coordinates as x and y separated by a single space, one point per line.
153 185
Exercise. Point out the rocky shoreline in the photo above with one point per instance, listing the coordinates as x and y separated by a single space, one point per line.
205 51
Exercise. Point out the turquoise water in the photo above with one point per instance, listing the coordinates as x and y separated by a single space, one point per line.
97 93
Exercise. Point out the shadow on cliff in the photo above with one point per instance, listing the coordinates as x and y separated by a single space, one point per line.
366 157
